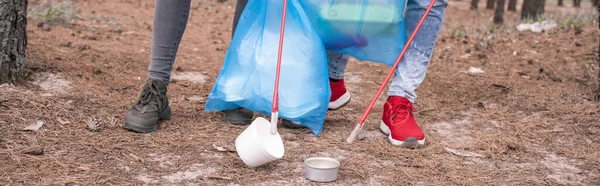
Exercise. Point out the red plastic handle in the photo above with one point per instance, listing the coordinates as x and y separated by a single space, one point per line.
281 33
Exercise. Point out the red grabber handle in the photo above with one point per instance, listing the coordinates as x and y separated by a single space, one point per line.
281 33
366 113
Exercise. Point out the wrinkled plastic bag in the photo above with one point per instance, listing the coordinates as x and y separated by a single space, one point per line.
248 74
368 30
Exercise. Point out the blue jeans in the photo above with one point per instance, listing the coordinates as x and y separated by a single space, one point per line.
411 70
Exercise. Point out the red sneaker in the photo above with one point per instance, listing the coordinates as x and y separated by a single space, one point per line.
339 95
398 122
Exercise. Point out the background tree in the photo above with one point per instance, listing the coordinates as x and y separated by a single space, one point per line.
577 3
13 39
560 2
532 9
474 4
499 13
512 5
490 4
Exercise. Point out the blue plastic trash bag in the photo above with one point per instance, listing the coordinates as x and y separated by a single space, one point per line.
248 74
369 30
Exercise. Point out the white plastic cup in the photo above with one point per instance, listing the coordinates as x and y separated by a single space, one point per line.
256 145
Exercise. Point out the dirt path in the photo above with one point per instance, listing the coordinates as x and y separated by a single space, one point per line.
529 119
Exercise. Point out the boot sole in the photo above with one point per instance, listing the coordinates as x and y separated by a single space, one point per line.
138 127
291 125
239 121
240 117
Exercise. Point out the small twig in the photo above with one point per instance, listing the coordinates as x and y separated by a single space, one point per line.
425 110
218 177
136 157
406 173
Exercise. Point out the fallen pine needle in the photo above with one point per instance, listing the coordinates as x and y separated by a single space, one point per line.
217 177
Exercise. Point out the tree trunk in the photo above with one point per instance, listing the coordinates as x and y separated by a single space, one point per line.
577 3
490 4
596 3
532 8
474 4
560 3
499 13
512 5
13 39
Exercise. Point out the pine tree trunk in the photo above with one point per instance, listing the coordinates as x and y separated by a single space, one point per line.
13 39
474 4
532 8
499 13
577 3
560 3
512 5
490 4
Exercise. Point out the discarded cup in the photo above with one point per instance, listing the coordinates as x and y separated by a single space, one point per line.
321 169
256 146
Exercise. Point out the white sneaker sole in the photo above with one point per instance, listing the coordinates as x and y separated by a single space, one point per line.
408 143
340 102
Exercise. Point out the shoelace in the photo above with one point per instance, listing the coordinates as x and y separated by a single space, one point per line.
401 109
149 93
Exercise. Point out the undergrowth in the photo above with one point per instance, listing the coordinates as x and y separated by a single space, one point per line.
53 12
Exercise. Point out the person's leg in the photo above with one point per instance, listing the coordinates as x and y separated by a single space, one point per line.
397 120
340 96
170 19
413 67
238 116
336 63
239 8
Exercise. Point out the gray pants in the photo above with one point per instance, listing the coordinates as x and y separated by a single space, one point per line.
170 20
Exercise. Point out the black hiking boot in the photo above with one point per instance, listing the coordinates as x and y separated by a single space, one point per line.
238 116
291 125
152 106
242 116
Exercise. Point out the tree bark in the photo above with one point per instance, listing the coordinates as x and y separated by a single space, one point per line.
532 8
499 13
474 4
490 4
560 3
577 3
512 5
13 39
